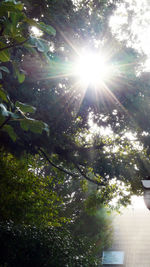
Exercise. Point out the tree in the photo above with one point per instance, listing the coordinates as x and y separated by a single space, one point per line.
51 98
44 114
28 197
38 214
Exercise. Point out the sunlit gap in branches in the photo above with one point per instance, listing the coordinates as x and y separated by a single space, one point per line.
92 69
95 70
35 31
88 68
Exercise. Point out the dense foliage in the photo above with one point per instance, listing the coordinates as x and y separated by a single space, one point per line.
27 196
35 204
29 246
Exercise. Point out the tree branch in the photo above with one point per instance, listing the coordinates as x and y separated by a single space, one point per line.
13 45
57 167
70 173
87 178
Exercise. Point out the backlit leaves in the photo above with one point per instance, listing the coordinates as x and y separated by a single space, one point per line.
25 107
34 126
4 54
47 28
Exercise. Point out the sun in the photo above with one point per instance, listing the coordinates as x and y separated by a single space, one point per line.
92 68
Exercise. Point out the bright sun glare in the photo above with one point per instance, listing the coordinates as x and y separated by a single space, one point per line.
92 69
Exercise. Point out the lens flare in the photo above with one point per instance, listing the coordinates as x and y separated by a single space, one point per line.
92 69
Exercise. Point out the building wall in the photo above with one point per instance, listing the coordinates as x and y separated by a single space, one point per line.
132 235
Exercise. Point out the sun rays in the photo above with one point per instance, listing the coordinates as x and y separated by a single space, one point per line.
87 68
91 69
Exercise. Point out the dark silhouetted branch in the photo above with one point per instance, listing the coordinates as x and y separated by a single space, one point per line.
70 173
87 178
5 122
55 166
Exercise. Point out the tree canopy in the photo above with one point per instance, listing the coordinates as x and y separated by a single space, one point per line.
44 110
68 148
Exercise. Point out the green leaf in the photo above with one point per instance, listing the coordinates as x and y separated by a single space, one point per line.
33 125
39 45
25 107
4 55
3 95
4 69
37 126
20 76
31 22
24 124
1 75
10 131
47 28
